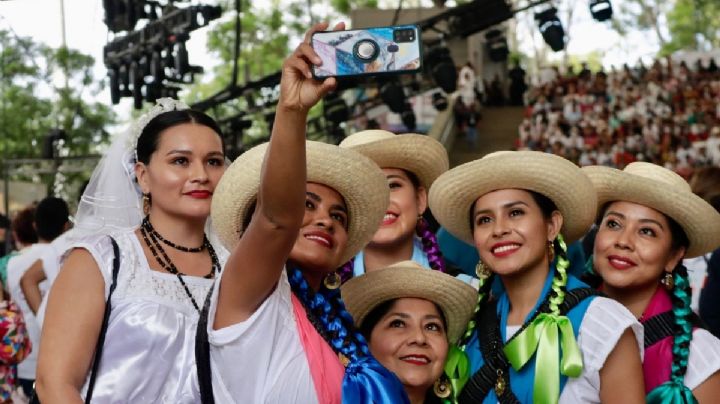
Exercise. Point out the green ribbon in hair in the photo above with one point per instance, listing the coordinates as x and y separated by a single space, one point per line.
457 369
547 335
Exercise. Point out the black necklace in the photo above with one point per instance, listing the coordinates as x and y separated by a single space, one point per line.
167 264
150 229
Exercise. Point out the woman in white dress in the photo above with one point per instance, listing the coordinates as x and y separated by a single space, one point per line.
650 220
546 337
165 169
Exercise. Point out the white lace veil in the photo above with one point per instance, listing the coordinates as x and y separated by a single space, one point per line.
112 201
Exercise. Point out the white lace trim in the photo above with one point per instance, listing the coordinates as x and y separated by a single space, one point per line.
137 281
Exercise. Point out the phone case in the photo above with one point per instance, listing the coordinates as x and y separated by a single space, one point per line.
370 51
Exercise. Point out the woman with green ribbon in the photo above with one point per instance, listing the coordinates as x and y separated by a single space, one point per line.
650 220
544 337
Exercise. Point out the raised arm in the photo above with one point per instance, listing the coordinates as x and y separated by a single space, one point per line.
30 285
70 330
254 266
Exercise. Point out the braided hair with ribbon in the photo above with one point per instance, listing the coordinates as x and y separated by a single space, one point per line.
365 380
675 390
545 335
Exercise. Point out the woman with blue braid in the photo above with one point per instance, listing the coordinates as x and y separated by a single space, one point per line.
411 163
545 337
650 220
291 212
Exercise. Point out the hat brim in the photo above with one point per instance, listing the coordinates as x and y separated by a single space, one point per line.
355 177
455 298
698 219
419 154
454 192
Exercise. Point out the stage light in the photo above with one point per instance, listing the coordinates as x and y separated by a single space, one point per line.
497 45
335 109
114 74
49 149
551 28
136 79
601 10
408 118
439 101
441 67
393 95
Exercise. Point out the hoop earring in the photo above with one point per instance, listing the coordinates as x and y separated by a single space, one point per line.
481 270
146 202
332 281
668 281
551 251
442 388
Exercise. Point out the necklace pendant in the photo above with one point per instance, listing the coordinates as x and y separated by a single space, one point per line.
332 281
500 384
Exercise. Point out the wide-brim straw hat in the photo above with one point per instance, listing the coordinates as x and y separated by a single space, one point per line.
455 298
419 154
658 188
454 193
355 177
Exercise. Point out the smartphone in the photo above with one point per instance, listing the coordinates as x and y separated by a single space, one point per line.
368 52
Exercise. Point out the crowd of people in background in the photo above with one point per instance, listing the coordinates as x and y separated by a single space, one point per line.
667 114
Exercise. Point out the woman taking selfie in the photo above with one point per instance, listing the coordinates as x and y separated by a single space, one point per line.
292 211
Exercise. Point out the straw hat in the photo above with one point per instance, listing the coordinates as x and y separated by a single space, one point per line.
355 177
660 189
420 154
455 298
455 192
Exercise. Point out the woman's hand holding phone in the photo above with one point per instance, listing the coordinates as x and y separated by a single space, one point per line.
299 91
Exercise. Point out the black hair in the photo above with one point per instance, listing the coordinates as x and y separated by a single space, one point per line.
547 206
51 216
381 310
22 225
150 137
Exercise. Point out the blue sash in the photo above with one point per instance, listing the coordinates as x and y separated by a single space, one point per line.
522 382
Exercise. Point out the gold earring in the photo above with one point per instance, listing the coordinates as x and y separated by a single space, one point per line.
551 251
146 203
332 281
442 388
668 281
481 270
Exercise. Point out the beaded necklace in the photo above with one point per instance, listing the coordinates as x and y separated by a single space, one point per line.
152 237
149 227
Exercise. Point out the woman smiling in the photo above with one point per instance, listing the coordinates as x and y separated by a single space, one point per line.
410 163
650 221
409 317
547 337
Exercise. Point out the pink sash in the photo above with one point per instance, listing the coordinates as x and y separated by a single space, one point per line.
325 367
658 357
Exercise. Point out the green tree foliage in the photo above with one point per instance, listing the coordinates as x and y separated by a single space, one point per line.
643 15
693 24
34 99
